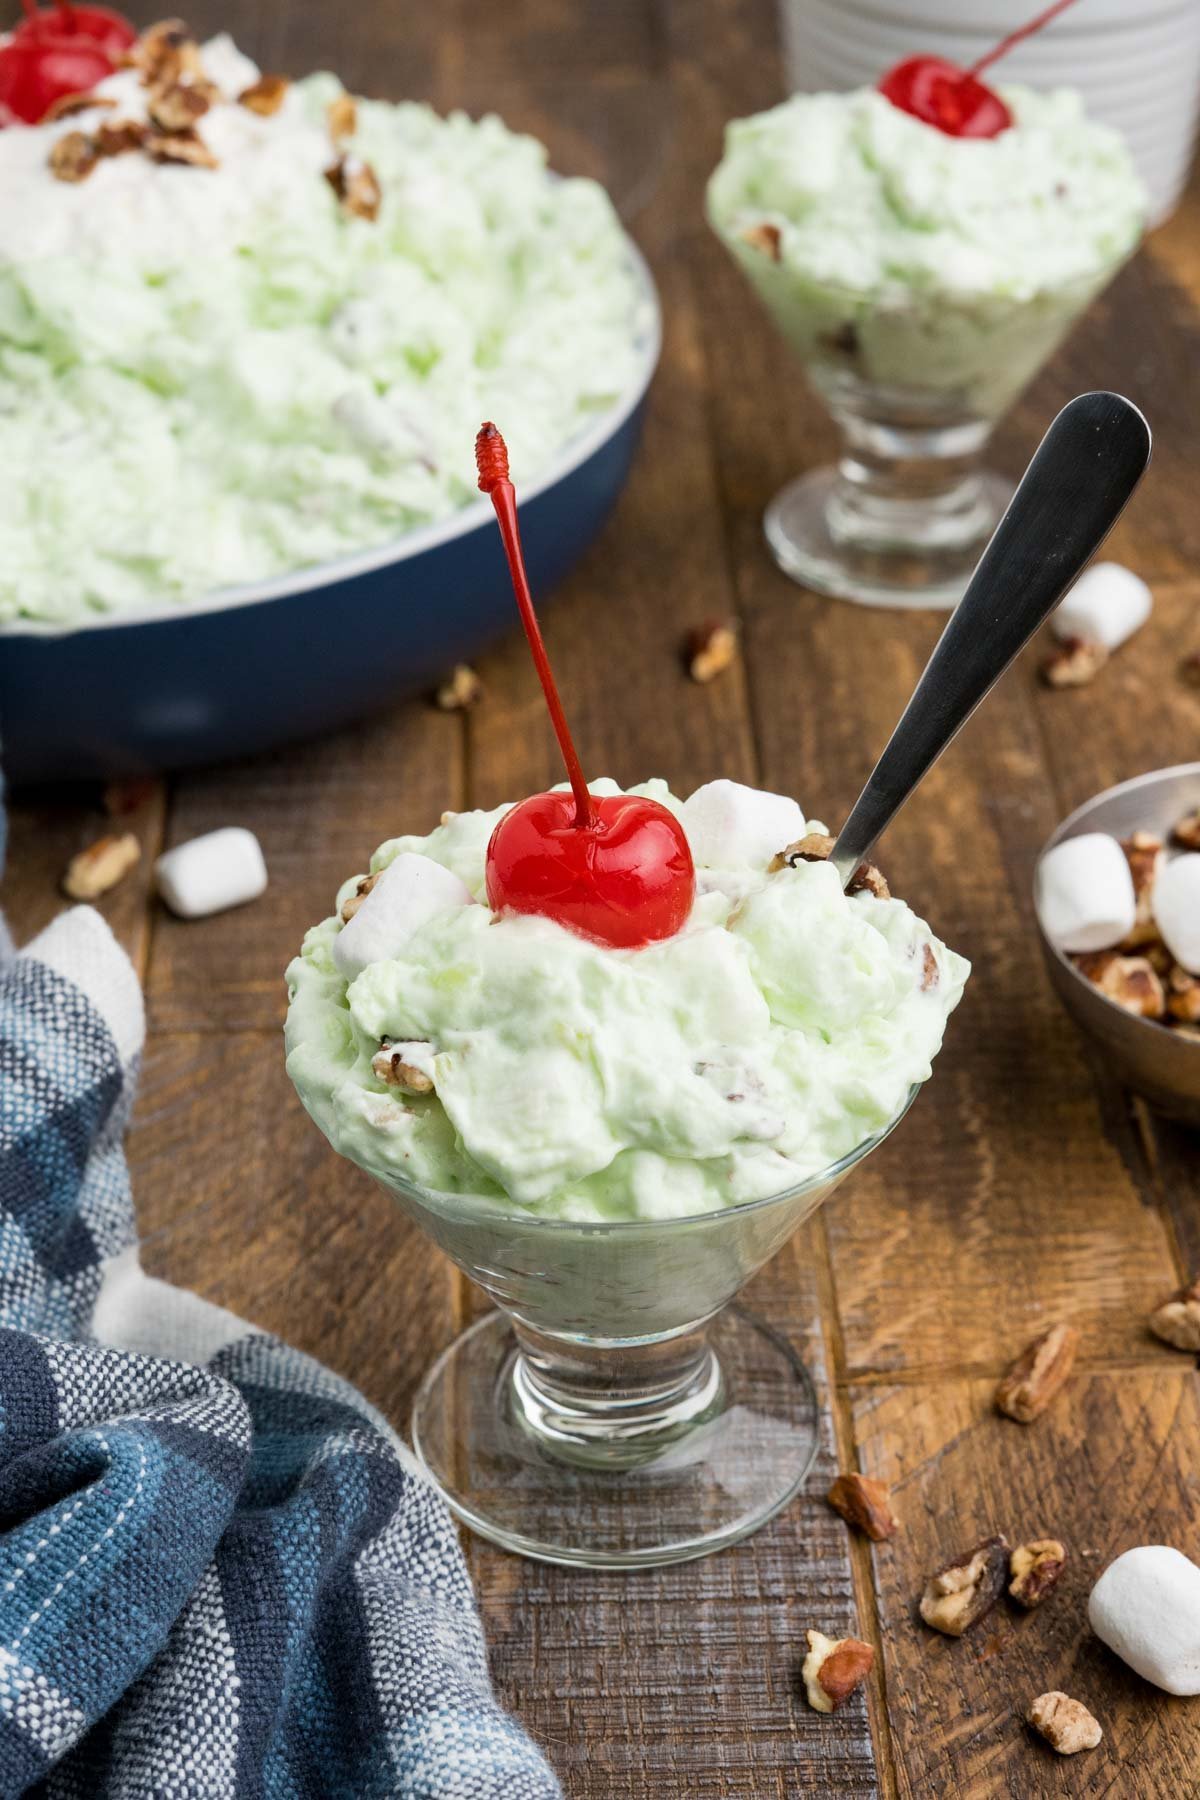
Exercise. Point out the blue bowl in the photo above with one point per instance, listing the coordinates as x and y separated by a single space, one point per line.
276 661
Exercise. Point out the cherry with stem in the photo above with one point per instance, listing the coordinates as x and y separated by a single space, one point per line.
955 100
615 868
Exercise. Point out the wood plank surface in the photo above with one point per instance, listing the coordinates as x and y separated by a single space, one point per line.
1020 1190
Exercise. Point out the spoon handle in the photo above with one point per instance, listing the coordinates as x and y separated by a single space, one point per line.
1085 469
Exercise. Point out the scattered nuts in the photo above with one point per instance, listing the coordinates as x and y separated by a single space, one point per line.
767 238
342 118
356 186
833 1668
1066 1724
357 897
1177 1321
930 973
1038 1373
1189 669
1183 995
1144 854
1076 662
710 649
165 53
266 96
390 1066
958 1596
864 1503
461 691
180 147
73 156
121 136
1132 981
1186 831
178 106
101 866
67 105
1035 1569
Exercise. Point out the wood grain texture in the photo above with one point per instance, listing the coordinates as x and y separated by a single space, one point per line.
1020 1189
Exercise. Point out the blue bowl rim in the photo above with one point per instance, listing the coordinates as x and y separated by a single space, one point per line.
570 457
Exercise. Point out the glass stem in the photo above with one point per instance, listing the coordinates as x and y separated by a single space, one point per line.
909 484
613 1406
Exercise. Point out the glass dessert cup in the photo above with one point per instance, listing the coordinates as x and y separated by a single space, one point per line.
915 386
616 1411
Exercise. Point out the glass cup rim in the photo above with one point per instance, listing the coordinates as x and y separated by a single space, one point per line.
468 1207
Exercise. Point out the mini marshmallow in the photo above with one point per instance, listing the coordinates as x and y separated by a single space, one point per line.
1177 910
1107 605
1146 1608
728 824
1084 892
209 874
411 890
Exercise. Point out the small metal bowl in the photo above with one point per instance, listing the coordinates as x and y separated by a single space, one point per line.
1142 1054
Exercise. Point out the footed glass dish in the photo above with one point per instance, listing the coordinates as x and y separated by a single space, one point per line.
617 1411
915 384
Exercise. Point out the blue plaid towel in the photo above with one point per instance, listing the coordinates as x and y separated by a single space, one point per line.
220 1573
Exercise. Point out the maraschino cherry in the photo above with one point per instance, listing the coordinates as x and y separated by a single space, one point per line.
55 52
615 868
953 99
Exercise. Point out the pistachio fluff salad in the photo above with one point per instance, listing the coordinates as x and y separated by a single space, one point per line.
259 338
505 1057
890 249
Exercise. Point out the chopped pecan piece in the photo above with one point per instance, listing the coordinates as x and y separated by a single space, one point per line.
864 1503
73 156
710 649
766 238
1038 1374
1131 981
356 899
1066 1724
461 691
391 1067
959 1595
1189 669
843 341
867 879
833 1668
1074 663
1183 995
166 52
119 136
180 147
1144 854
342 118
816 847
265 96
1177 1321
356 186
67 105
1035 1569
100 867
1186 831
180 104
930 973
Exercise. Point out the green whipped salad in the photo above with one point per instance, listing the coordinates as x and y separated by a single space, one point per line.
210 375
883 246
782 1027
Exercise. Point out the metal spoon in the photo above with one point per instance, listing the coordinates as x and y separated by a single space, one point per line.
1071 495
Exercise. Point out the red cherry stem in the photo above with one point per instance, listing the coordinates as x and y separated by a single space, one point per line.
491 459
1015 37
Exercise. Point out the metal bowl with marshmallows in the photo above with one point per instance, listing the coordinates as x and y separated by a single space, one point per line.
1159 1062
276 661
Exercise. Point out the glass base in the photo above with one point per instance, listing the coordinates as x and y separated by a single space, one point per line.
919 553
703 1473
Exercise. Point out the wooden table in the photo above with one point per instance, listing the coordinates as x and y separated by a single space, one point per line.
1021 1190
